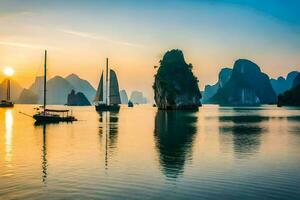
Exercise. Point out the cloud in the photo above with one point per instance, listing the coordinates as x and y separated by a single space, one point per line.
23 45
94 36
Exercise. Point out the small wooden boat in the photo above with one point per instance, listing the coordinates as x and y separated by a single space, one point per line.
51 115
112 100
6 104
130 104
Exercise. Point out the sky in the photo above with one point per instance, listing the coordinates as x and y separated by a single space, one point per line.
134 35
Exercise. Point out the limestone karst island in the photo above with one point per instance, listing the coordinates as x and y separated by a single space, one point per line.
170 100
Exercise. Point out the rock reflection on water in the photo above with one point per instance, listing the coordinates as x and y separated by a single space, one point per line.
108 130
246 130
174 134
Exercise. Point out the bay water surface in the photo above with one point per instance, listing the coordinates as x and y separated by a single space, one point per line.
143 153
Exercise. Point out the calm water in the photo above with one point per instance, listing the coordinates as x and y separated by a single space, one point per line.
142 153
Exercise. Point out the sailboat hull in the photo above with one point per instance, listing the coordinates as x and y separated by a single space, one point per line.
6 104
104 107
40 118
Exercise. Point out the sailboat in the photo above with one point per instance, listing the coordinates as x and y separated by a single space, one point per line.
51 115
112 98
7 102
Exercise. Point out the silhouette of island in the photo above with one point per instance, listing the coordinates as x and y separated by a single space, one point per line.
77 99
211 90
137 97
81 85
124 97
246 86
58 89
292 96
280 85
175 86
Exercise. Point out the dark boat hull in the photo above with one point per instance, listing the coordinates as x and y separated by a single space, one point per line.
52 119
104 107
6 104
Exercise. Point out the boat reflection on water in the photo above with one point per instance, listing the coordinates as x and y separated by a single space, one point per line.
246 130
174 135
108 130
43 128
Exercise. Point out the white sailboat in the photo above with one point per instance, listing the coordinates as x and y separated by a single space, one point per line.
51 115
111 100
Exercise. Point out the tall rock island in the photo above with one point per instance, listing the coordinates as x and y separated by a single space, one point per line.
77 99
246 86
292 96
175 86
211 90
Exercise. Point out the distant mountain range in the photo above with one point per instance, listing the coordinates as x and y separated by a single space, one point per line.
58 89
245 84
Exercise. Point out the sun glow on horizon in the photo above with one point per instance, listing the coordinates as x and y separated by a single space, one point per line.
9 71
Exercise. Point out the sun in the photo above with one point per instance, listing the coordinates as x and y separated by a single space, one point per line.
8 71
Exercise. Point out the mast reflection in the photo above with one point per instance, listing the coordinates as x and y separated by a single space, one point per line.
44 160
44 156
108 129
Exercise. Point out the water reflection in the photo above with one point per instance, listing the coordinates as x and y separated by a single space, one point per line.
44 155
8 134
44 160
174 134
246 131
108 130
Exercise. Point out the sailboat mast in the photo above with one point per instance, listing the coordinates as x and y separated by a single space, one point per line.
45 79
106 85
8 90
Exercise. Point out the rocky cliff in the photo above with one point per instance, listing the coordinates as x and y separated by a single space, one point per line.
81 85
77 99
292 96
124 97
137 97
246 86
296 81
211 90
281 84
175 86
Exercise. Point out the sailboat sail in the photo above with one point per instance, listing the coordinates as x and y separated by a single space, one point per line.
99 93
114 97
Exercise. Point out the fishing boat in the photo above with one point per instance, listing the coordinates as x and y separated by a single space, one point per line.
130 104
45 115
7 103
111 100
